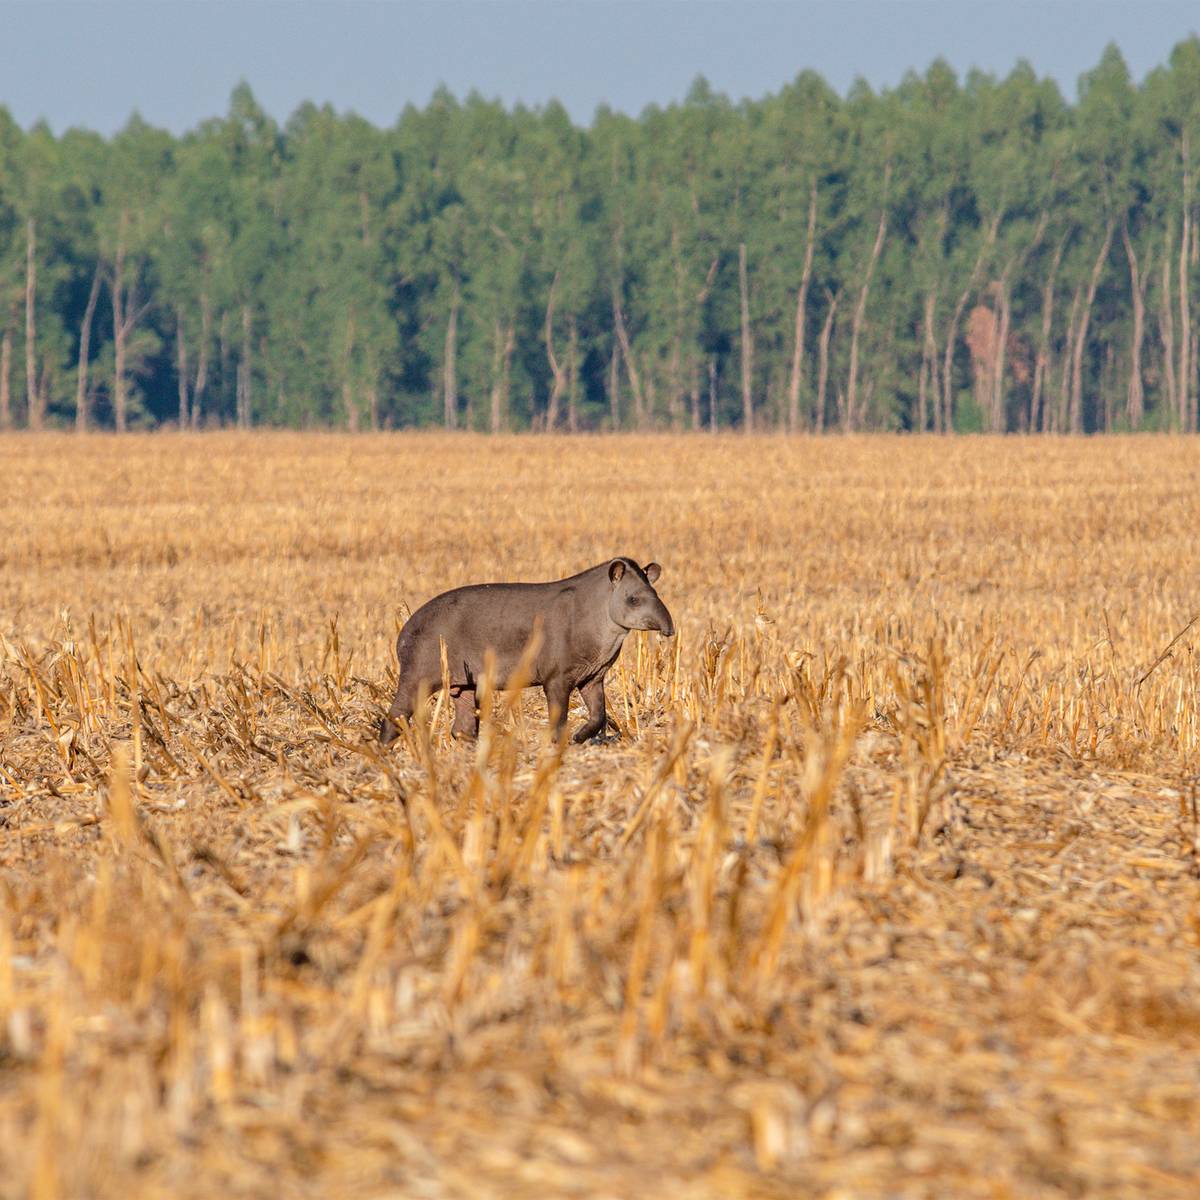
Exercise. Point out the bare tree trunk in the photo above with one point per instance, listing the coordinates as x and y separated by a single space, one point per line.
694 357
496 417
349 402
1081 337
675 383
712 394
504 341
1187 403
922 385
614 389
572 374
929 370
1195 378
999 402
999 416
449 365
119 306
202 362
952 335
33 398
5 380
126 314
1035 396
1043 370
675 363
695 392
1166 329
747 347
1107 376
823 361
860 308
559 384
1135 398
1062 416
801 316
226 357
85 343
245 369
635 381
181 368
239 395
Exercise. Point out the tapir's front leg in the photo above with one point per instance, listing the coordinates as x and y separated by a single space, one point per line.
593 696
402 707
558 701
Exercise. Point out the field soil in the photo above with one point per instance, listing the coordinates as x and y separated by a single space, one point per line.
888 889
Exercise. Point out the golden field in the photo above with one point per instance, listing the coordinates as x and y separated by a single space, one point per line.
890 888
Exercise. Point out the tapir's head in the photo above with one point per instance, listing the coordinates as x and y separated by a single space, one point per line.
632 601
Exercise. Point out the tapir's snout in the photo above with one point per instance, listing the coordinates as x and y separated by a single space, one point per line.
666 626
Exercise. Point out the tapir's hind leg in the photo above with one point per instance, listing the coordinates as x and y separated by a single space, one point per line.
466 716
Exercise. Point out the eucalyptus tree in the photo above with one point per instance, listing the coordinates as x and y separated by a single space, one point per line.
1172 100
871 155
327 304
616 142
1108 103
129 235
253 145
82 157
801 131
565 249
1100 205
709 173
36 272
12 141
1027 162
930 207
438 145
196 261
499 294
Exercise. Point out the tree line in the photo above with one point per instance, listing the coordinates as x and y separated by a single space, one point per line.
950 254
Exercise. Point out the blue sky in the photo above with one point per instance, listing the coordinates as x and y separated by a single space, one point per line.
92 62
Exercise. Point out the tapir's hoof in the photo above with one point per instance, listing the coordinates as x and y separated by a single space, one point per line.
604 739
388 732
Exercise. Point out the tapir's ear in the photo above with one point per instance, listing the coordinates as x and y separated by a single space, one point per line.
615 570
653 571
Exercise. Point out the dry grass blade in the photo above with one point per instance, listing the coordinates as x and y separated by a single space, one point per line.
1165 652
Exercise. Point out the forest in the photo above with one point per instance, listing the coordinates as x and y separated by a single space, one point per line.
952 254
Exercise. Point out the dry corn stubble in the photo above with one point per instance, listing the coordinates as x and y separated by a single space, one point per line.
890 888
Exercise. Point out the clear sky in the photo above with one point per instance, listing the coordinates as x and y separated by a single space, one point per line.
92 62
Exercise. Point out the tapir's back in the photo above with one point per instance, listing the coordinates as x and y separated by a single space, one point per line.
479 617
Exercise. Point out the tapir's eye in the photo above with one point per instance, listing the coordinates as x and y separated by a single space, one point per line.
635 601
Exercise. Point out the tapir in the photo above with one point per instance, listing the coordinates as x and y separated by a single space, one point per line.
583 620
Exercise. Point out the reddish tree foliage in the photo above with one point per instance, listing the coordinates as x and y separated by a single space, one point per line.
983 341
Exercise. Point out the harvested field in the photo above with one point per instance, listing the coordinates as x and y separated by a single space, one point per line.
889 890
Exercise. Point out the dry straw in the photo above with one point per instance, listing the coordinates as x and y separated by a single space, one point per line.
890 887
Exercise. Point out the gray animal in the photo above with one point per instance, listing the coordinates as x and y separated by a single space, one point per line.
584 620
